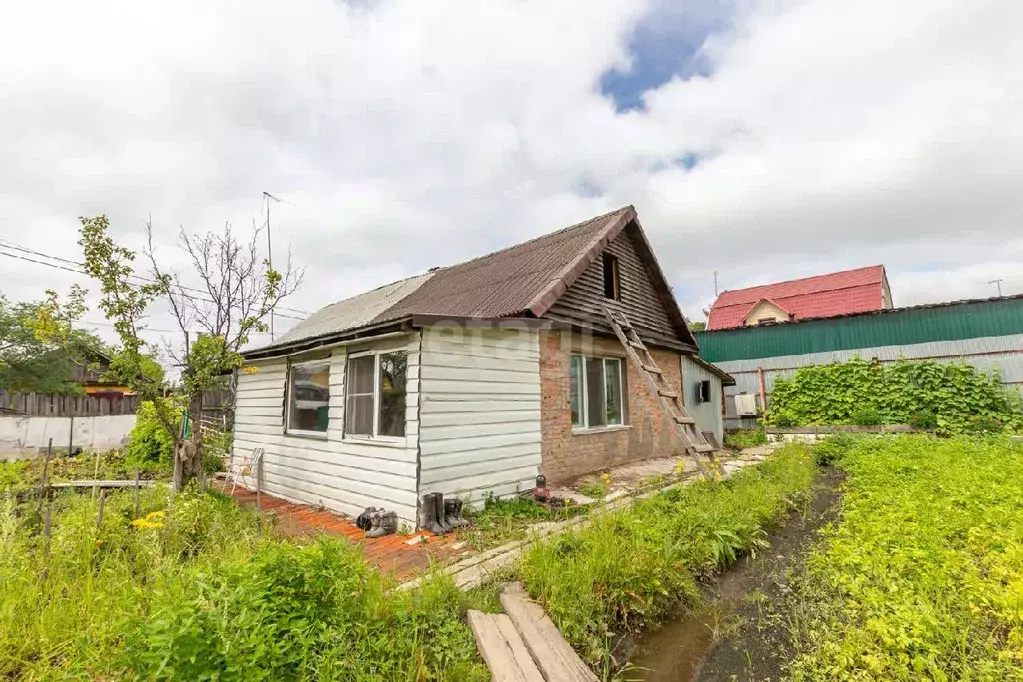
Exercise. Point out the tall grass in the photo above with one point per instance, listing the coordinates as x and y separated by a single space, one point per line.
631 569
923 576
204 590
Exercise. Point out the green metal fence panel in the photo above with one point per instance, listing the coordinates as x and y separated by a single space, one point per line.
901 326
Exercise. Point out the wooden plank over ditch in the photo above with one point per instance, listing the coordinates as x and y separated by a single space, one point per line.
502 648
553 655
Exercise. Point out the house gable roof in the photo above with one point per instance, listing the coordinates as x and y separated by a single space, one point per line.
520 281
838 293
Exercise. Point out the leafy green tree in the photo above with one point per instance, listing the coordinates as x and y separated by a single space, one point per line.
697 326
39 350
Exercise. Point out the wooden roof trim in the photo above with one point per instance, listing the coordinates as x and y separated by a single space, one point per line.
571 272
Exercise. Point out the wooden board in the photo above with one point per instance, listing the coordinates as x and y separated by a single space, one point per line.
553 655
502 648
100 484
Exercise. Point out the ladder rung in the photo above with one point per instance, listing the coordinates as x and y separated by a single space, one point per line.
679 419
703 448
637 344
666 393
652 369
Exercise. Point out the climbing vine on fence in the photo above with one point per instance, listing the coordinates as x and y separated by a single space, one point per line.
948 397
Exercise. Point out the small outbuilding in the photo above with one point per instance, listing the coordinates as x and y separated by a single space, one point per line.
473 379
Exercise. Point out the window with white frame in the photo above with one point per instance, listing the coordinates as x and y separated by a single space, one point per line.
375 394
309 397
597 392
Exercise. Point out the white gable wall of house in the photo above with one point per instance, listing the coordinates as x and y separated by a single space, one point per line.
480 411
343 474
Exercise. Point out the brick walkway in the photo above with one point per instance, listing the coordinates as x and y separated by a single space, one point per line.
391 554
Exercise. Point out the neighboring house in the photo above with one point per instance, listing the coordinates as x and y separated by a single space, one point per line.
839 293
88 374
985 333
472 379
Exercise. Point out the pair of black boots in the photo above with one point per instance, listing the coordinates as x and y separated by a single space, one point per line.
438 515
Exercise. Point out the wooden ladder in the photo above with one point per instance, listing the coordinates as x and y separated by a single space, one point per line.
668 396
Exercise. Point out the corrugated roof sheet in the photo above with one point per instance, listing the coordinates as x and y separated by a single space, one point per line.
511 282
506 282
838 293
354 312
951 321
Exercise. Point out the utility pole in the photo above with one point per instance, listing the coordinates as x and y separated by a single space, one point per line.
715 284
998 283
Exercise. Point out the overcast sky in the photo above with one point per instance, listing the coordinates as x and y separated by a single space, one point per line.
764 140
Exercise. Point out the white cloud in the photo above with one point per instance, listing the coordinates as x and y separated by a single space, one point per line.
410 134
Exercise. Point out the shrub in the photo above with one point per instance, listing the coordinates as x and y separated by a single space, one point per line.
149 444
831 449
950 397
741 439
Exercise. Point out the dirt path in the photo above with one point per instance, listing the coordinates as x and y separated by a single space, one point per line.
738 635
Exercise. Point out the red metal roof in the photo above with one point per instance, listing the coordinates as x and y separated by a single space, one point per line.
838 293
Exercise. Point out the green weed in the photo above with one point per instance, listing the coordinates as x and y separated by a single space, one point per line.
503 520
741 439
923 576
203 589
631 569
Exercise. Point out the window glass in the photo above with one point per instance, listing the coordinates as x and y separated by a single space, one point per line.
359 398
595 410
613 386
393 370
309 397
576 390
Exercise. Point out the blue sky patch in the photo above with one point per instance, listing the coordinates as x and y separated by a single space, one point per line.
666 43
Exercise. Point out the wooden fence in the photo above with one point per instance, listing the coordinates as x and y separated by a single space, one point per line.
46 405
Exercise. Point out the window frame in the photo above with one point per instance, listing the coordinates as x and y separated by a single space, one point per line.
305 433
584 399
375 437
610 265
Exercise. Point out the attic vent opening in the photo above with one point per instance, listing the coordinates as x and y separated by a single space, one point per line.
612 281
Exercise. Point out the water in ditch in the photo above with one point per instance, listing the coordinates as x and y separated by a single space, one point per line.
723 639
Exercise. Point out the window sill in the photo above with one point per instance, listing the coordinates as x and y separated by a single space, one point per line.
381 442
313 435
579 431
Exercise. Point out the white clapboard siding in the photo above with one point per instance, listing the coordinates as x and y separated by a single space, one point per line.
344 475
479 412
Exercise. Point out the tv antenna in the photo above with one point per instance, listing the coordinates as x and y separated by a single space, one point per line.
715 284
997 283
267 197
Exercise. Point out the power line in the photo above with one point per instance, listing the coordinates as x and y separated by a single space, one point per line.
11 245
8 245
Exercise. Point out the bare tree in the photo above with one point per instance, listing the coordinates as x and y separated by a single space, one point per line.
236 290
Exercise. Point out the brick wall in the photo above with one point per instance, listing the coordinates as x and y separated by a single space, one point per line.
647 433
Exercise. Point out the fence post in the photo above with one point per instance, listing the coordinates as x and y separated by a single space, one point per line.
136 492
71 437
102 499
46 472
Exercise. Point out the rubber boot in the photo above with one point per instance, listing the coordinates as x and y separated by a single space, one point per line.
462 521
384 523
374 524
430 513
453 513
439 506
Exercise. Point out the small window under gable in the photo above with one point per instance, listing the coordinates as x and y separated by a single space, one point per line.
612 279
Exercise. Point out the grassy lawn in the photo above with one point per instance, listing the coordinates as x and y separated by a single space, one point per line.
923 576
630 570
